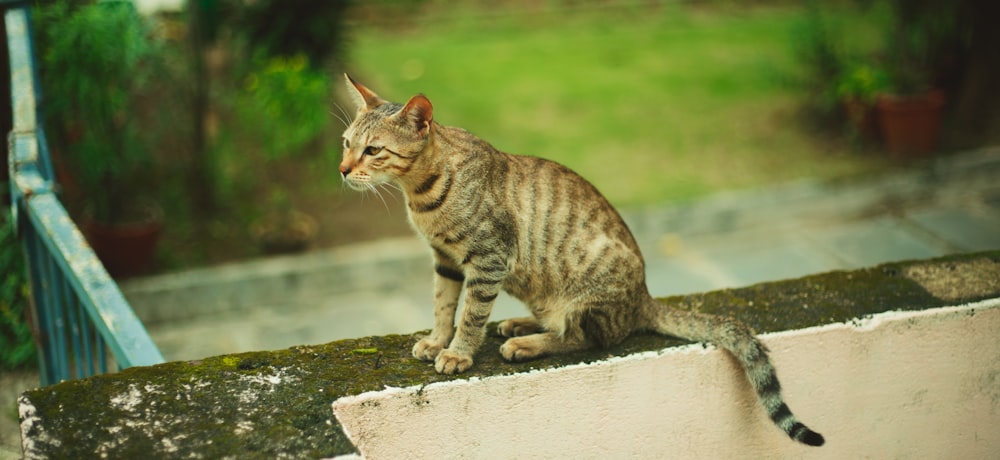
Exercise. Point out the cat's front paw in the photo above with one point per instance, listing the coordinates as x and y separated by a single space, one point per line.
450 362
427 349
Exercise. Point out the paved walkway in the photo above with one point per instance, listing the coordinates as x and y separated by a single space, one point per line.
945 206
728 240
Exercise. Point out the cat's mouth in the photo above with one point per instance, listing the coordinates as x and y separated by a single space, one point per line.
361 183
357 185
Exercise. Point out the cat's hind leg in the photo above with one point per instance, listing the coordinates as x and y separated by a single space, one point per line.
541 344
516 327
596 323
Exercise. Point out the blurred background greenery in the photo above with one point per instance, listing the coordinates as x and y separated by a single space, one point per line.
227 114
239 104
652 103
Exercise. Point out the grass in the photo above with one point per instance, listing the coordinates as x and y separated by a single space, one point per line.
650 104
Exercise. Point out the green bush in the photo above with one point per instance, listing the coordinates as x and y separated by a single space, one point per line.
283 101
17 349
95 58
861 81
837 45
290 27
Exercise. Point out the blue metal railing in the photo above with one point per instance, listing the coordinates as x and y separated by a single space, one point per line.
83 325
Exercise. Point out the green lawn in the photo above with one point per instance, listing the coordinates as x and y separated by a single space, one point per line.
651 105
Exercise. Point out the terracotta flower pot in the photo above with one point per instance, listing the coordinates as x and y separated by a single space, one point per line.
125 249
911 125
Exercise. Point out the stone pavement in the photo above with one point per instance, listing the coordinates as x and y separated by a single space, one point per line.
943 206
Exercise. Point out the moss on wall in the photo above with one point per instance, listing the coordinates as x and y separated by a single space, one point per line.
276 404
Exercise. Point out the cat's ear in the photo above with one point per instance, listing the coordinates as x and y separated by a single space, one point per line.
363 98
419 112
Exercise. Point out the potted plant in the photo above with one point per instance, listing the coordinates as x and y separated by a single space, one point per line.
283 229
95 59
910 111
857 88
280 108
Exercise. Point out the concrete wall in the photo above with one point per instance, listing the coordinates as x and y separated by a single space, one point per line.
922 384
895 361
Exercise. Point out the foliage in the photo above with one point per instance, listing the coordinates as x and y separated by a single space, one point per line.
94 60
913 40
282 109
291 27
922 37
284 102
840 46
17 348
819 51
861 81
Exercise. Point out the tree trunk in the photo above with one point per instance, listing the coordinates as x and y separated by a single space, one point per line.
977 106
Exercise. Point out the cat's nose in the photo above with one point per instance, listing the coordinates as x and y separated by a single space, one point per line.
345 170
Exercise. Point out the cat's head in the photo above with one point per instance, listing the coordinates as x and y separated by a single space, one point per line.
385 138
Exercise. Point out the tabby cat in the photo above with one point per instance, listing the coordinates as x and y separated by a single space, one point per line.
535 229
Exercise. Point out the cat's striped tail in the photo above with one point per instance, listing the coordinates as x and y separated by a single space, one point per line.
736 338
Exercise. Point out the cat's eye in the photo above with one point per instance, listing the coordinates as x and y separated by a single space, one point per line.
347 144
371 151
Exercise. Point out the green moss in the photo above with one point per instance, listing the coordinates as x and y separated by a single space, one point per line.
231 361
277 403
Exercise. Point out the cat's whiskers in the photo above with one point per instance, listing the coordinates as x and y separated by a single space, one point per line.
393 186
339 117
343 116
377 193
390 185
347 114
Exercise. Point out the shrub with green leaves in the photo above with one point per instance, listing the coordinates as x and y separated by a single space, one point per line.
861 81
290 27
284 102
95 58
16 346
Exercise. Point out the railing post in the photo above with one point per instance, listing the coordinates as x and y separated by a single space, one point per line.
78 313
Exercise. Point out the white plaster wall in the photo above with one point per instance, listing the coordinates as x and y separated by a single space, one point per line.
900 385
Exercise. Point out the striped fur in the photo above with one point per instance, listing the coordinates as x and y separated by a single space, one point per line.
535 229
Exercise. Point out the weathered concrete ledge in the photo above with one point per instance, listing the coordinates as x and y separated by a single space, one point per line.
277 280
278 404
